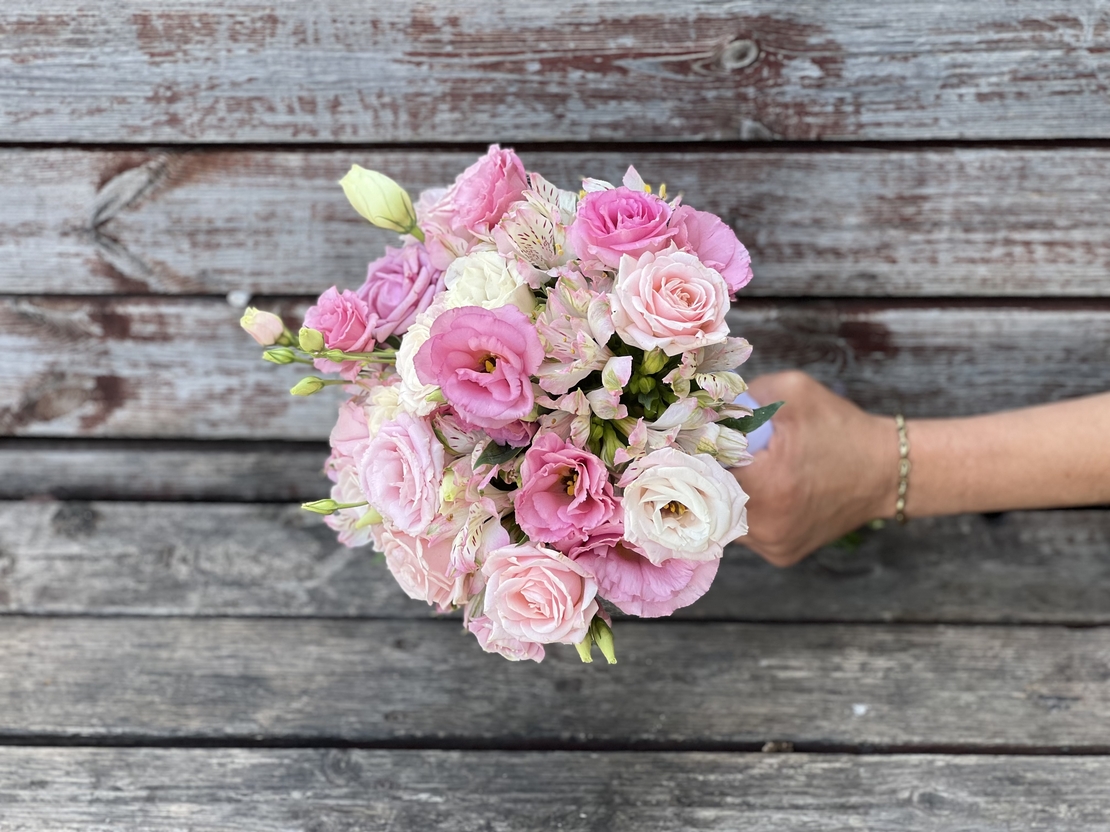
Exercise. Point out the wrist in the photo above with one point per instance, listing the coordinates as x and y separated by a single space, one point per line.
883 465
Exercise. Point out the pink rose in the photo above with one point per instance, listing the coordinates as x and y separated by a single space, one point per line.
511 648
483 360
346 324
351 433
399 287
669 300
619 222
538 595
565 491
627 577
401 473
347 490
715 244
422 568
472 206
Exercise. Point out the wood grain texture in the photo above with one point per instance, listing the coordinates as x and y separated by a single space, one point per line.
164 559
266 790
708 686
987 222
182 368
206 71
106 469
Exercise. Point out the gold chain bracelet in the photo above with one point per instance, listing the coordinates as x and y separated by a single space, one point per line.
903 468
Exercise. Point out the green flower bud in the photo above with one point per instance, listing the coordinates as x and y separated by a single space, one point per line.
371 518
334 355
609 445
281 355
584 648
321 507
380 200
602 635
312 340
307 386
653 362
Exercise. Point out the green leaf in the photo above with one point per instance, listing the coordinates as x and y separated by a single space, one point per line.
495 454
757 419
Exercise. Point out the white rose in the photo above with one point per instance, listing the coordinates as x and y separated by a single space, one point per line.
385 402
489 280
412 394
682 505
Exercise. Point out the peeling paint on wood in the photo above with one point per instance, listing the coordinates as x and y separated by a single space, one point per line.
202 71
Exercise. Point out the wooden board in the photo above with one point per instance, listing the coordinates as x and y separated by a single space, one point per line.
819 223
678 684
633 70
80 469
266 790
269 560
182 368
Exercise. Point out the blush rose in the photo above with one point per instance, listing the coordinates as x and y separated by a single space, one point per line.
715 244
398 287
401 473
616 223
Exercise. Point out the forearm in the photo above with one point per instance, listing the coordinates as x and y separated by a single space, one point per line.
1039 457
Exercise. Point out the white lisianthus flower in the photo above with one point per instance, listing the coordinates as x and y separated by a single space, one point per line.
489 280
412 394
385 402
678 505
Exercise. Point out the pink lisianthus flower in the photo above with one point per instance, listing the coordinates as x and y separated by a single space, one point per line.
472 206
398 287
511 648
346 323
627 577
715 244
538 595
401 472
422 567
565 491
616 223
482 360
671 301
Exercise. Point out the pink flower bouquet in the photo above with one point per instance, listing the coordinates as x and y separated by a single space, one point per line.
541 407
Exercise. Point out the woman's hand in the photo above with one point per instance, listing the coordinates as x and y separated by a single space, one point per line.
829 468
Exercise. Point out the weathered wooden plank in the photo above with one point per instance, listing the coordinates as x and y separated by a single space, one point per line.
266 790
704 685
646 70
204 559
819 223
181 368
120 470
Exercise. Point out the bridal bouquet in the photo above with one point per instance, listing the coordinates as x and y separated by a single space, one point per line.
541 400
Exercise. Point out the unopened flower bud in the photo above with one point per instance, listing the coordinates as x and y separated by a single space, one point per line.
264 327
603 637
380 200
585 647
370 518
450 487
333 355
321 507
609 445
653 362
311 340
307 386
280 355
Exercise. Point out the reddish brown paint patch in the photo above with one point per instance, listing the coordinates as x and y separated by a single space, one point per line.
108 395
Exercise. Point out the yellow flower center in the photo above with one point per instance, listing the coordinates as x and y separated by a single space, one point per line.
675 507
572 483
490 364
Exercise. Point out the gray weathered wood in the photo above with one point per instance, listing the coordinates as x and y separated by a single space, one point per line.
204 559
79 469
978 221
692 683
266 790
182 368
647 70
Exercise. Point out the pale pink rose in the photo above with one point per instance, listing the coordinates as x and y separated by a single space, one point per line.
421 567
471 207
401 473
669 300
348 490
351 433
681 505
511 648
398 287
616 223
346 323
715 244
565 491
538 595
627 578
482 360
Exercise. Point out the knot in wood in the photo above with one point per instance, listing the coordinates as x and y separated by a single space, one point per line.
738 54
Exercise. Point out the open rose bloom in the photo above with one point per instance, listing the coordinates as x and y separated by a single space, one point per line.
541 401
